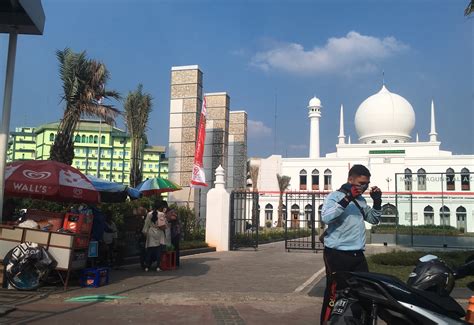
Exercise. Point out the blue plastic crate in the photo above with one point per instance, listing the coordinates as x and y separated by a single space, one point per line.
95 277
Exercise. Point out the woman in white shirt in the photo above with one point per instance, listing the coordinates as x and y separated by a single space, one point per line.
155 232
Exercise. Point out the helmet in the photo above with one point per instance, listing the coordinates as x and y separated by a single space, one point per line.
432 275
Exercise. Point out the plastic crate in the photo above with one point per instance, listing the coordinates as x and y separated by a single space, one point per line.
78 223
168 261
95 277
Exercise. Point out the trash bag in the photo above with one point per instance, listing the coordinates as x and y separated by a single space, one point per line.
28 266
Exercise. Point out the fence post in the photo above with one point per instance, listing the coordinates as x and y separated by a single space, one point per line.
217 214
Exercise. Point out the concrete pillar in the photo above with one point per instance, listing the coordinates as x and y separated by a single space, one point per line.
185 110
217 214
237 161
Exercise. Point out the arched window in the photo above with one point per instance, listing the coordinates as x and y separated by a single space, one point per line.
389 214
444 216
96 139
396 141
421 179
450 179
461 218
327 179
303 179
465 179
308 210
295 216
91 139
51 137
77 138
283 213
373 141
102 139
384 141
315 180
408 180
269 213
83 139
428 213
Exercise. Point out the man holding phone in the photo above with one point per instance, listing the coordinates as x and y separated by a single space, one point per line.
344 211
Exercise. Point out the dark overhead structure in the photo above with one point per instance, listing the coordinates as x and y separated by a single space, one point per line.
16 17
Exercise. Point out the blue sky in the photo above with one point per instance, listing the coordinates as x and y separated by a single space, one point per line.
259 51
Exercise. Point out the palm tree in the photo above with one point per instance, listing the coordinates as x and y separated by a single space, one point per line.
283 183
469 9
138 106
254 170
83 91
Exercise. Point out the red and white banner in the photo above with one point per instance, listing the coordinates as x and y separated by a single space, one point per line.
199 177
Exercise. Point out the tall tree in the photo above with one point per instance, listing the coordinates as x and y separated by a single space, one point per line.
84 83
138 106
283 183
254 170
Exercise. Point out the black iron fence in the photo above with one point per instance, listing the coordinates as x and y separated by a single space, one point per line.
302 215
244 220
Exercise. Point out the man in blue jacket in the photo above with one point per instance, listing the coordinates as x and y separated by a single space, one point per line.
344 211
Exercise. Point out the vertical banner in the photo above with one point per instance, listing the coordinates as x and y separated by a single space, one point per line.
199 177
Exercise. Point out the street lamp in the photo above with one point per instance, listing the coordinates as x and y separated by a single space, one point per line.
388 179
16 17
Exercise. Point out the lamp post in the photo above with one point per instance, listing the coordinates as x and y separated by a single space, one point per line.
18 17
388 179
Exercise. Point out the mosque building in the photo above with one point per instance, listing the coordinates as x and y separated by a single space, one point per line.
422 184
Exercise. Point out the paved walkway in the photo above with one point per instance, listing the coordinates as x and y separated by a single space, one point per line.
268 286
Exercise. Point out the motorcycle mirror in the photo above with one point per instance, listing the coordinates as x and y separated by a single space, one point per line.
428 258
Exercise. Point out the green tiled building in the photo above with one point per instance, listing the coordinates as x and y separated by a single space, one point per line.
100 149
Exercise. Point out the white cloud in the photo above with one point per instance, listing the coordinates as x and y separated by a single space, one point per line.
256 129
352 53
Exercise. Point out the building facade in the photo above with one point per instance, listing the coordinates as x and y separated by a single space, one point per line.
100 149
422 184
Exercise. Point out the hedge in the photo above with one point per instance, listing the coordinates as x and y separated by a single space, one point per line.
418 230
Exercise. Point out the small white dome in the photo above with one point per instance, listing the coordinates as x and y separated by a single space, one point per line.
384 117
314 102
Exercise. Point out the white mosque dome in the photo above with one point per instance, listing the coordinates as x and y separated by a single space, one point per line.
314 102
384 118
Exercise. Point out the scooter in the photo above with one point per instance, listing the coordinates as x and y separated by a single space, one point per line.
424 299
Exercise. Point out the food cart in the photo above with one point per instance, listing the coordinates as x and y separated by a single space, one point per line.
64 236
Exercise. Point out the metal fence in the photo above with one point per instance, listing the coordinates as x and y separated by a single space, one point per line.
244 220
302 215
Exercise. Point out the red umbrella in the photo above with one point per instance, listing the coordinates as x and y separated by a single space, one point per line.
49 180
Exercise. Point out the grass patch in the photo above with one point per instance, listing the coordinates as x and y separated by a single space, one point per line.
400 264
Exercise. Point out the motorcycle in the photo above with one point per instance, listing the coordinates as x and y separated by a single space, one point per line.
424 299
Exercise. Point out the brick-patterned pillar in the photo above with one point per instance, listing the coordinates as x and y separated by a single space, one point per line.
217 134
237 155
185 108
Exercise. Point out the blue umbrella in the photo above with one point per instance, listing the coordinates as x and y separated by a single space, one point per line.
111 191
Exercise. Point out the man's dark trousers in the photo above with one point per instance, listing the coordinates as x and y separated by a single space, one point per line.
339 261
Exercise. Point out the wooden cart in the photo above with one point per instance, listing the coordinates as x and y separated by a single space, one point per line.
61 246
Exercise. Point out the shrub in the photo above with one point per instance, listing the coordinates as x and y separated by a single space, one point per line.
417 230
402 258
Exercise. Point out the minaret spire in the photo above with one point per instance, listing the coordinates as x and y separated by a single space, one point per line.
433 134
342 137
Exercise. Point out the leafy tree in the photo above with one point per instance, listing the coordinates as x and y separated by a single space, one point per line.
138 106
283 183
84 89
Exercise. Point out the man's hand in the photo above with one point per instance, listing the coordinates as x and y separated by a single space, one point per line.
376 195
351 192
